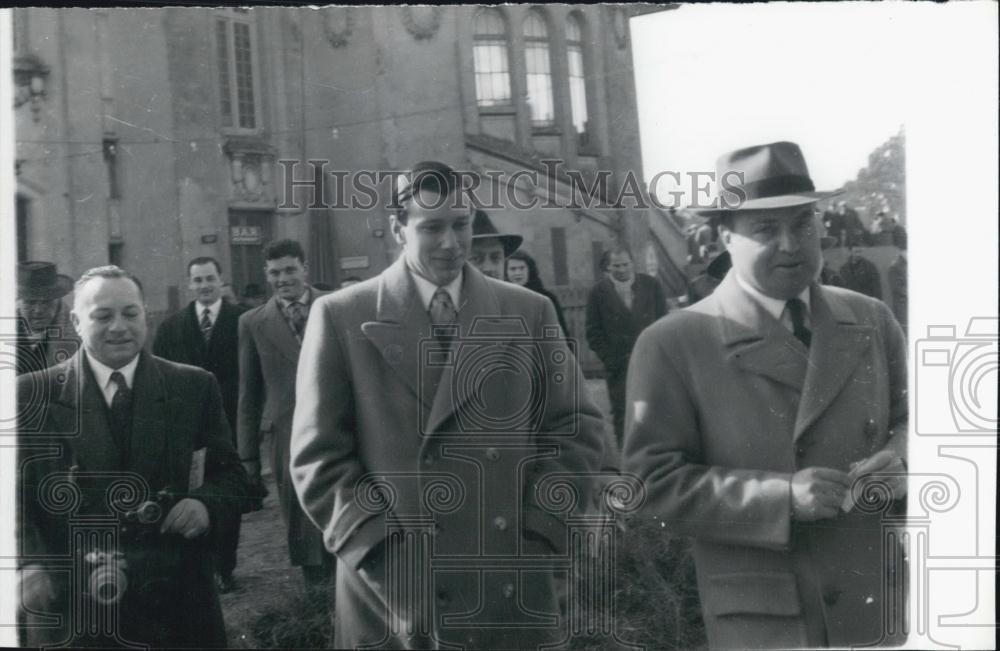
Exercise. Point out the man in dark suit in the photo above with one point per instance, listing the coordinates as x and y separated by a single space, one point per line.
44 335
860 274
620 306
124 472
409 434
756 419
270 337
204 334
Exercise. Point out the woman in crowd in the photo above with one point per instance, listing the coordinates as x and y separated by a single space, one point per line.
522 270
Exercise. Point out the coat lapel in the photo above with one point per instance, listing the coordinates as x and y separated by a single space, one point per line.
757 342
276 330
838 343
401 323
193 332
85 412
478 301
149 450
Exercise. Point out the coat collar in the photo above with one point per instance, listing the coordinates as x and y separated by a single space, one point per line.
83 404
275 329
402 331
759 343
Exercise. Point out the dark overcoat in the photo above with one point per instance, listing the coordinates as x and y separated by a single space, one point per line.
724 406
75 484
395 437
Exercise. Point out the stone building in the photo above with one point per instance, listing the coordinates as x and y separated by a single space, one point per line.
146 137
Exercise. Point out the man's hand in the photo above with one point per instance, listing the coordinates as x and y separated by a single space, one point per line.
886 463
817 493
188 518
37 591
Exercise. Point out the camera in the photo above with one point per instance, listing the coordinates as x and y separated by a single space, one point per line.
956 380
142 566
16 353
496 376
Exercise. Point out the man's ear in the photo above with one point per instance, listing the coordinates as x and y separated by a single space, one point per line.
396 228
725 234
75 320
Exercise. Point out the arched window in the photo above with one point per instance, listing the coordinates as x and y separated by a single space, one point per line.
539 70
489 54
577 76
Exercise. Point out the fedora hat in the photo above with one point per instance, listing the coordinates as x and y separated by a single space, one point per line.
763 177
483 228
39 281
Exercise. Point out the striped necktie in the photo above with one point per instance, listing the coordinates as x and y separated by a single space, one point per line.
206 325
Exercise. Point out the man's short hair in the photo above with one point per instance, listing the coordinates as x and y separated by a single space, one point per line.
204 259
617 248
425 175
107 271
284 248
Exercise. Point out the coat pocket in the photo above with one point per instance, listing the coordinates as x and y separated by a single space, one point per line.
752 593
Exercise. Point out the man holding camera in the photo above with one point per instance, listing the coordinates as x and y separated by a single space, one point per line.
769 421
126 465
400 446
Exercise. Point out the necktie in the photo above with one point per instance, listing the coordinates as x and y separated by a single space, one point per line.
442 311
121 412
797 310
206 325
297 313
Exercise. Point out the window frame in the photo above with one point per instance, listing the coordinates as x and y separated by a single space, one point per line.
539 126
479 38
584 139
231 16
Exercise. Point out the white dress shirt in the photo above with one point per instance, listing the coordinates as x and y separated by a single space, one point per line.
213 311
775 306
103 373
426 288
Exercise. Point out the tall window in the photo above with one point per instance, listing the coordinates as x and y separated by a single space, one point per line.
489 52
577 76
539 69
236 58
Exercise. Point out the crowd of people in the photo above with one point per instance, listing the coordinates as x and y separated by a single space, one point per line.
406 412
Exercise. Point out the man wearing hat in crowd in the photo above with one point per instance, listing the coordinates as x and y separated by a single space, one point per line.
407 424
757 416
45 335
490 247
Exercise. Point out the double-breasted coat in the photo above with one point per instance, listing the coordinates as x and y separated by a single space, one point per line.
269 356
452 451
75 484
725 405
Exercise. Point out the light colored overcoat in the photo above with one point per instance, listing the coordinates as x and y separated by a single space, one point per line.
392 434
725 405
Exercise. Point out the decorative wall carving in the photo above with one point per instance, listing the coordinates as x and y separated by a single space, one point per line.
338 23
251 162
422 21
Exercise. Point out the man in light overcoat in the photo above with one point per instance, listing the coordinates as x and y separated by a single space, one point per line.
760 419
438 414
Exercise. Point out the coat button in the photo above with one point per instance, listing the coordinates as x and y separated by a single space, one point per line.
428 459
500 523
492 454
831 596
871 429
443 597
508 590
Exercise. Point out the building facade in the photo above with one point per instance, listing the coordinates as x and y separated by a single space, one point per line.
146 137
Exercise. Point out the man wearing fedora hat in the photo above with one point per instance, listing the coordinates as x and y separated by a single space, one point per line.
406 439
490 247
45 335
759 415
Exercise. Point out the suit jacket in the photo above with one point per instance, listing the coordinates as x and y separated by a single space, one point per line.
179 339
269 355
71 467
59 343
862 276
612 328
391 434
725 405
